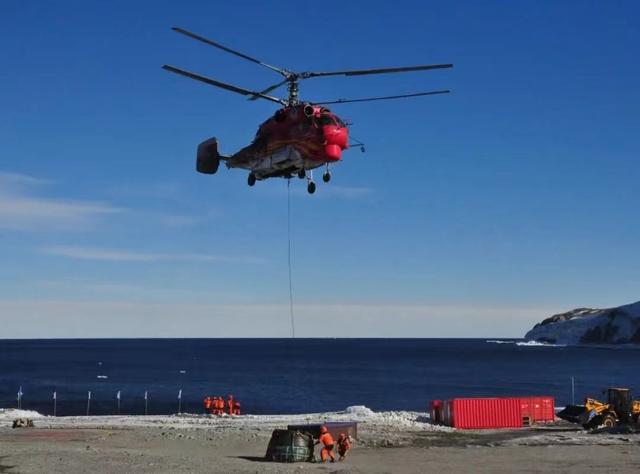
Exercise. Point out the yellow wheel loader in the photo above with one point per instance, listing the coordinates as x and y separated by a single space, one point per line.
620 408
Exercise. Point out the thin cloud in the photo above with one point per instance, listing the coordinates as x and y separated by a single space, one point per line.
171 192
120 318
87 289
14 180
20 209
93 253
33 213
154 190
175 220
170 220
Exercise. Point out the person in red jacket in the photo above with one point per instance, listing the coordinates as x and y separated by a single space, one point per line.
207 404
343 446
230 404
236 407
219 406
327 445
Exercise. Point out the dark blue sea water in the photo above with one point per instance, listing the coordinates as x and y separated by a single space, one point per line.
296 376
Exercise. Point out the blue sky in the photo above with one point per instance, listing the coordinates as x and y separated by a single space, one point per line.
474 214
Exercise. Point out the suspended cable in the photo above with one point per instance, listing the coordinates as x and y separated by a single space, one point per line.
293 325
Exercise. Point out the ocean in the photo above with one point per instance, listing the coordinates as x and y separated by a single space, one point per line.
271 376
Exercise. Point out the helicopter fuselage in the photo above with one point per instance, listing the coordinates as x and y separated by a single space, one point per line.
295 139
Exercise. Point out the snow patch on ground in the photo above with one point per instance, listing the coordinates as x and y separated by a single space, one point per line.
13 413
359 410
389 421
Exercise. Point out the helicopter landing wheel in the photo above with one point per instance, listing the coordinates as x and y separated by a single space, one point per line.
251 179
326 177
302 174
311 187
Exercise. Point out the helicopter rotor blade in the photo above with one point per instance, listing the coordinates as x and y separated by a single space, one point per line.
222 85
229 50
269 89
387 70
388 97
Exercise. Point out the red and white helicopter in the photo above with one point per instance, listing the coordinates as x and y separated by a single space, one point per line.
300 136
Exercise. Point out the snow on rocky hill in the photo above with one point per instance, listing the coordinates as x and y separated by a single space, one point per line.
619 325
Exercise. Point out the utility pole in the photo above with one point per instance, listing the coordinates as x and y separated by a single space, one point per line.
573 390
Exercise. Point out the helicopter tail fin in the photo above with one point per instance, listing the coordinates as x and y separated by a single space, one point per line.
208 157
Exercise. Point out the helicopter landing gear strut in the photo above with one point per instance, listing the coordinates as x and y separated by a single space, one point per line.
251 179
311 185
326 176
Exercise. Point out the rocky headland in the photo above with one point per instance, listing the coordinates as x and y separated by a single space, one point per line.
620 325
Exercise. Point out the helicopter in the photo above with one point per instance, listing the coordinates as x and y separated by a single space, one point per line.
301 135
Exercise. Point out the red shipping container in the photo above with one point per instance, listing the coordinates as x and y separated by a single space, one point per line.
482 413
538 409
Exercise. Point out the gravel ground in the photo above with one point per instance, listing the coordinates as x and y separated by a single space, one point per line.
392 442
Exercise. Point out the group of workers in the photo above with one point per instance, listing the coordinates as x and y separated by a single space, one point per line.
328 445
217 405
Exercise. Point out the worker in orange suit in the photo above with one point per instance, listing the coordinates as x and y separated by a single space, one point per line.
219 406
230 404
344 445
327 445
207 404
236 407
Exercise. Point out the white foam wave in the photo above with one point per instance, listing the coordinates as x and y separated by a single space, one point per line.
538 344
524 343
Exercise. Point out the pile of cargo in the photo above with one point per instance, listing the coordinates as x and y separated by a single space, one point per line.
488 413
296 443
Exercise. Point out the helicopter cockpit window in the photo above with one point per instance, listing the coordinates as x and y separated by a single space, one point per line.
340 122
